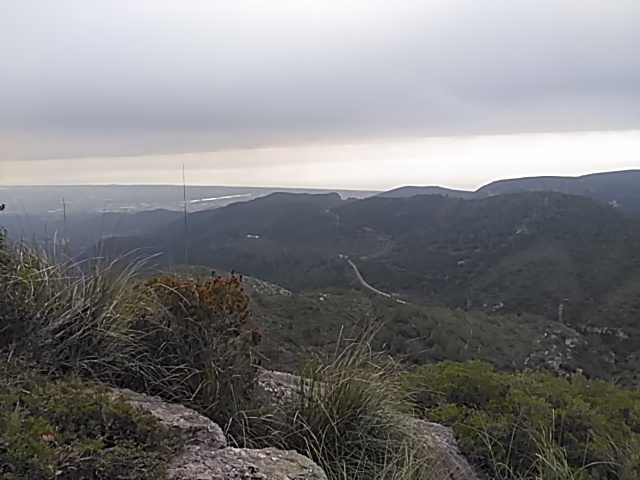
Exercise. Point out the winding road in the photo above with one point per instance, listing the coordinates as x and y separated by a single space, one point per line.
366 285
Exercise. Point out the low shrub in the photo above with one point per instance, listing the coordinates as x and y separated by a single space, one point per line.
68 430
519 425
195 345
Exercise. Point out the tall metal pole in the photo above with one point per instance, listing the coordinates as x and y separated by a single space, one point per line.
184 201
64 218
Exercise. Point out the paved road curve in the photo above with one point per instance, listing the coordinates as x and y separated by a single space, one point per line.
369 287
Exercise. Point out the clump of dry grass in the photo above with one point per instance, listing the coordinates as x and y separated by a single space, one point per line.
346 416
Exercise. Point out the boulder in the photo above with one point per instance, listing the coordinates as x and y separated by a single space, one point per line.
443 441
195 428
206 456
199 463
277 387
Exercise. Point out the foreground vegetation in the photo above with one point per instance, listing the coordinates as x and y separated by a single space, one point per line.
69 429
532 423
192 341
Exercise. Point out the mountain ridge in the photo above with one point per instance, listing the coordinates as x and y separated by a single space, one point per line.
621 188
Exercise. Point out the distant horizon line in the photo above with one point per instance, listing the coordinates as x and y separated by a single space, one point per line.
272 187
261 187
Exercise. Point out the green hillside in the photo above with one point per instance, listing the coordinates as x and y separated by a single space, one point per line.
527 253
567 259
310 324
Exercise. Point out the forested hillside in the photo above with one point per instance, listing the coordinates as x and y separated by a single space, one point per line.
565 258
515 253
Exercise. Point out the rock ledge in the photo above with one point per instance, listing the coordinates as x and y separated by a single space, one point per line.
206 455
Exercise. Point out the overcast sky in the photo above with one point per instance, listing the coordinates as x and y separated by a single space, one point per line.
361 94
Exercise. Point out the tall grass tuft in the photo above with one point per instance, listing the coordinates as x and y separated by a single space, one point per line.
346 416
550 461
182 339
68 317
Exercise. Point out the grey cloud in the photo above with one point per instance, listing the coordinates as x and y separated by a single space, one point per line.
94 78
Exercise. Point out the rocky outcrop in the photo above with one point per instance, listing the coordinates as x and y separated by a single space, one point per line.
195 428
279 386
206 455
198 463
276 387
265 288
443 441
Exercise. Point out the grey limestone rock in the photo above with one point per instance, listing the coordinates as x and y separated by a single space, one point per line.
198 463
206 455
443 441
196 429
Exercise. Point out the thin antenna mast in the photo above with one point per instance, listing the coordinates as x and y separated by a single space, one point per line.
64 217
184 201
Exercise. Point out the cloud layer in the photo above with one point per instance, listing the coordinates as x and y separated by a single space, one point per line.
113 78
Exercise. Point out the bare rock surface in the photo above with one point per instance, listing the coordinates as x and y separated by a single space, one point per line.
206 455
196 428
278 386
198 463
443 441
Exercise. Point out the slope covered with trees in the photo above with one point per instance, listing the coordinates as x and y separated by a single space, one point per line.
566 258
